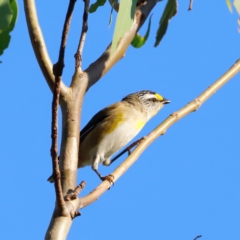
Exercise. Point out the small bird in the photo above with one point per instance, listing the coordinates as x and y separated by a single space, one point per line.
114 126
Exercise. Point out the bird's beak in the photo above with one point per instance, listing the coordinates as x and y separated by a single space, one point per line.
165 101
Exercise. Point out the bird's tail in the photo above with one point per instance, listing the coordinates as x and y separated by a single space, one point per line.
51 179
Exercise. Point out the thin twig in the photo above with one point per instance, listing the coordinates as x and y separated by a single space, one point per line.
57 71
190 5
160 130
199 236
66 26
78 55
74 194
54 148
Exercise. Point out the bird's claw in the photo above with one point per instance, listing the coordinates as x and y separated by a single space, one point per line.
109 178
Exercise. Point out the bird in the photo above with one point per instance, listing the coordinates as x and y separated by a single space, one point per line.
114 127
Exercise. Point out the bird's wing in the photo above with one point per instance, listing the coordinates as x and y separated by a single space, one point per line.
98 118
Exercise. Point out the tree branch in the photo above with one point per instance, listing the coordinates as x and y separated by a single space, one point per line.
78 55
190 5
54 149
57 71
199 236
74 194
60 64
158 131
39 46
104 63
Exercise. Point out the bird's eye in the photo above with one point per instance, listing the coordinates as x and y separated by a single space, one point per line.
153 99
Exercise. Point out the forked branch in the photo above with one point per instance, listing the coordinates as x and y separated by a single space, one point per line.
74 194
104 63
158 131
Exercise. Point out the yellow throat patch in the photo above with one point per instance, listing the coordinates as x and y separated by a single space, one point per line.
140 124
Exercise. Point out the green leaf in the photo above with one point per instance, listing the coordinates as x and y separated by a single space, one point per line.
14 8
5 31
139 41
6 13
229 5
94 6
4 41
124 21
169 11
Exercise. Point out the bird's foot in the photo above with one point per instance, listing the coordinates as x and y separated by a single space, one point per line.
109 178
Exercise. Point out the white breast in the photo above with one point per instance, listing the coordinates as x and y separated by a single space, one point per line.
117 139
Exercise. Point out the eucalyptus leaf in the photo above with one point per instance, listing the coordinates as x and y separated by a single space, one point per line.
5 31
169 11
94 6
6 14
138 41
124 21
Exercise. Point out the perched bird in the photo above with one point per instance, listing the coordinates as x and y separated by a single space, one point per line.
114 126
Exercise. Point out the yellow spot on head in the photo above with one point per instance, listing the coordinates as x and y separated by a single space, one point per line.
140 125
159 97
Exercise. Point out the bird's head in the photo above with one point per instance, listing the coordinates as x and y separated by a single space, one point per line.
150 102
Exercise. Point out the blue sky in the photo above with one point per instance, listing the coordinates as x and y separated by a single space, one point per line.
185 184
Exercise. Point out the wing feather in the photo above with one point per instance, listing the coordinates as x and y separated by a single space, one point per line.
98 118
